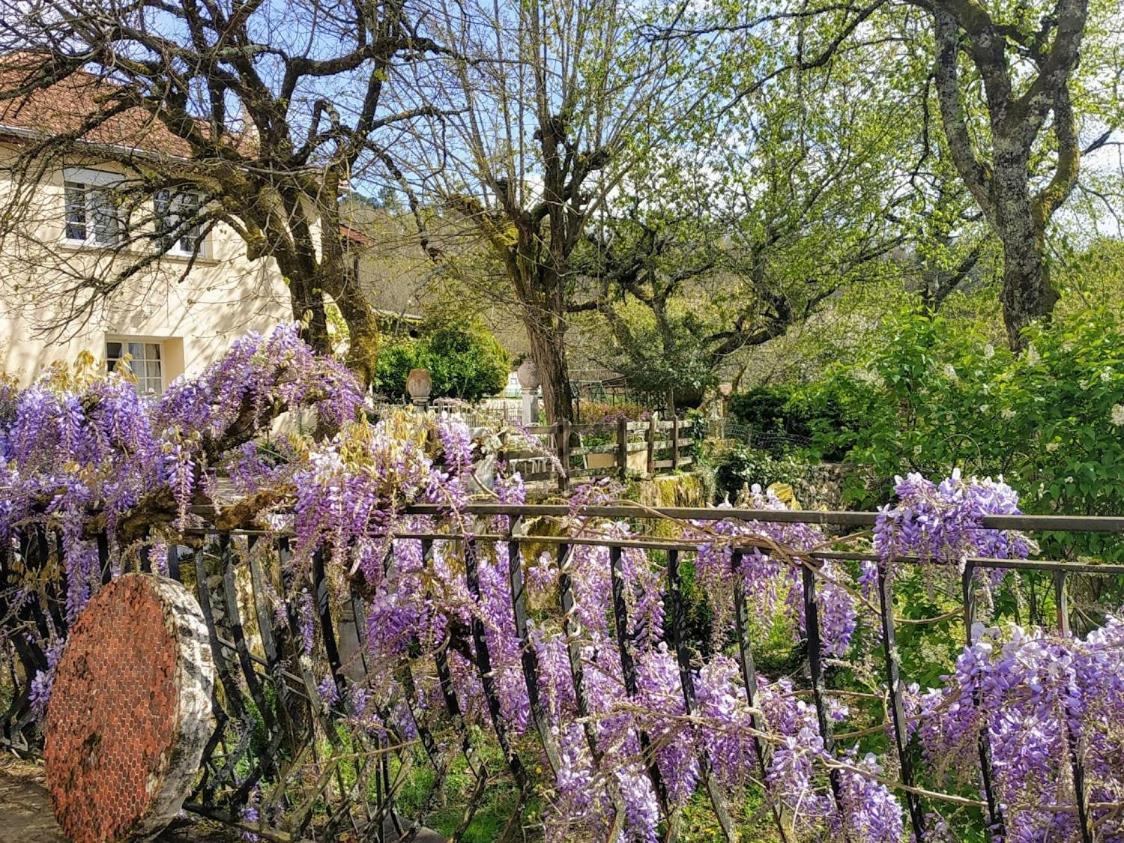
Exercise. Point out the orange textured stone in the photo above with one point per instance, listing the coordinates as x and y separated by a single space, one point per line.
129 711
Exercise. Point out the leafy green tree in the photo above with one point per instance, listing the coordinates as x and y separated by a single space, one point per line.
1022 91
544 107
757 216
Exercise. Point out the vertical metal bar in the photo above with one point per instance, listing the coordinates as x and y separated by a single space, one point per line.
34 561
749 679
484 667
569 629
815 672
577 676
622 448
1074 742
676 621
528 658
234 624
57 596
265 620
444 675
983 740
315 703
324 612
1061 599
628 671
287 709
102 541
174 562
359 613
897 703
218 651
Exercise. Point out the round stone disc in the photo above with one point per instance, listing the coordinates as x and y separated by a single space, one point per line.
130 711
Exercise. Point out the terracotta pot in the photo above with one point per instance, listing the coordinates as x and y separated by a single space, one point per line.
419 384
528 374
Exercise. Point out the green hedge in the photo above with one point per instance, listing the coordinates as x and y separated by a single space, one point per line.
782 420
468 364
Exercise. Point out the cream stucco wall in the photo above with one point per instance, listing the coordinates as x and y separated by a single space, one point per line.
196 312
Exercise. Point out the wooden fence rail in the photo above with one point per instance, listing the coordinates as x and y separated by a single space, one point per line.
612 449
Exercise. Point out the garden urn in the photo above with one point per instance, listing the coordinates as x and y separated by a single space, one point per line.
528 374
419 384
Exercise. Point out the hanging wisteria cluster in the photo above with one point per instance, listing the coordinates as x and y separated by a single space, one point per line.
772 579
1041 700
81 454
943 522
618 748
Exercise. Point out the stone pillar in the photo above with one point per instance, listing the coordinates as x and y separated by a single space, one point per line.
529 381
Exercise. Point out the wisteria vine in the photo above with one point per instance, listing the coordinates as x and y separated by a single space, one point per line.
81 457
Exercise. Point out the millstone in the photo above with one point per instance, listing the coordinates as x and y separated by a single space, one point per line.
130 711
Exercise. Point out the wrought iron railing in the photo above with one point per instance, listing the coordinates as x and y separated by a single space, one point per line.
280 723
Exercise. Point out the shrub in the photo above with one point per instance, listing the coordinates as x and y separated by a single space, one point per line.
782 419
467 364
743 466
936 392
597 412
395 361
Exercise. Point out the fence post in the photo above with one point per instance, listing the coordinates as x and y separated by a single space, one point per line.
674 442
983 741
653 423
1073 741
622 447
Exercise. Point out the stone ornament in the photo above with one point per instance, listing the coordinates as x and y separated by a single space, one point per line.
419 384
528 375
130 711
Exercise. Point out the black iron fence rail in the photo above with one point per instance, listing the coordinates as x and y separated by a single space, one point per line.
842 518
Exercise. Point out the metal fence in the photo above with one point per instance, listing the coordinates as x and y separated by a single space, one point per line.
279 722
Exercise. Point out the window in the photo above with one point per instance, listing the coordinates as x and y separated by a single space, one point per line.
174 212
145 360
92 213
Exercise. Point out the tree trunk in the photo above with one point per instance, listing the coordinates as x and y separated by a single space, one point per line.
308 309
362 327
1027 293
548 350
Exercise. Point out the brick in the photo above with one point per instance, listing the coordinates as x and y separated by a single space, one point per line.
130 711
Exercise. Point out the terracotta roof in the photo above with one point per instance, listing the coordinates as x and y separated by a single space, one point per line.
64 106
356 236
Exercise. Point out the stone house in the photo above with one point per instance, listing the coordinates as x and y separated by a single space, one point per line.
63 231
